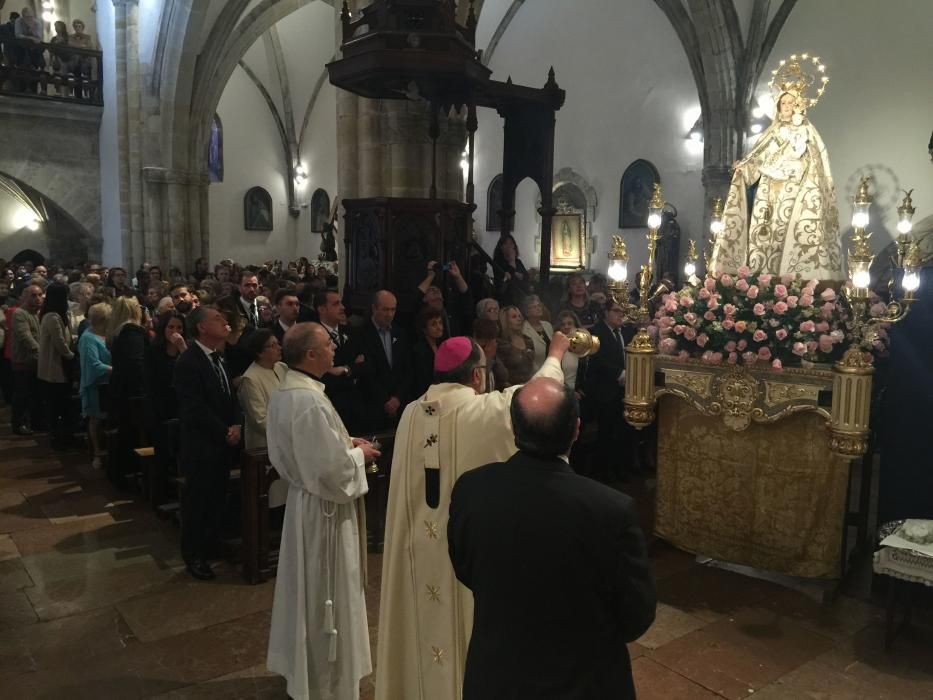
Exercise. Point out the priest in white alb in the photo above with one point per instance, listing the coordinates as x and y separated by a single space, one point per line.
319 640
425 614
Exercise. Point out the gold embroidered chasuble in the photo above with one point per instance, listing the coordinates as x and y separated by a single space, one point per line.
426 615
793 226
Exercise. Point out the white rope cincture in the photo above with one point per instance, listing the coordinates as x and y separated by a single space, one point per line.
329 512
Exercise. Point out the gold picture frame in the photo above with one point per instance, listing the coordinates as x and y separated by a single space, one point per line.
568 241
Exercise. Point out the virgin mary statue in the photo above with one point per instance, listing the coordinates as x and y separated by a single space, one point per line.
793 224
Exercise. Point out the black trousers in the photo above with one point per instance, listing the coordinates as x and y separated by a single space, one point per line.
615 442
56 399
202 507
27 401
6 380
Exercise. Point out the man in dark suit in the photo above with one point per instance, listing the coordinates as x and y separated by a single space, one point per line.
385 374
246 306
340 380
557 564
286 312
605 392
209 435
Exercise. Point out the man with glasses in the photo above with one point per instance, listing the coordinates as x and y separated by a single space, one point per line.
455 427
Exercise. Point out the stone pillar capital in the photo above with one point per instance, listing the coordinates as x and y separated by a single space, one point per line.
125 3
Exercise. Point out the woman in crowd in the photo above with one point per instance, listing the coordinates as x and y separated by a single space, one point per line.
578 301
161 354
574 367
488 308
95 373
128 337
430 325
511 277
80 294
537 329
55 364
515 350
259 381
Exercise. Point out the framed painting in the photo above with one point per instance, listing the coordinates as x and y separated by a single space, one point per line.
568 245
635 192
257 210
320 210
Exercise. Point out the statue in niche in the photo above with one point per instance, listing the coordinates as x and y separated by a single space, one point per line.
792 225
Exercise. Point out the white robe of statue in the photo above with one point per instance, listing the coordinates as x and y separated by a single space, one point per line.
322 555
793 226
425 614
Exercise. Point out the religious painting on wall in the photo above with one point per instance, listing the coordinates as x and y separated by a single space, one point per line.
215 151
635 192
494 204
320 210
257 210
568 247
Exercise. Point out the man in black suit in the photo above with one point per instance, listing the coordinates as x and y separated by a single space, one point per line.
286 311
340 380
605 392
246 305
557 564
209 435
385 374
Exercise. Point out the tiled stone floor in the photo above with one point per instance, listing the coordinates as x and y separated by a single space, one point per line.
94 603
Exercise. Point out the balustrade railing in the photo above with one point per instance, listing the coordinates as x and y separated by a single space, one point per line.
51 71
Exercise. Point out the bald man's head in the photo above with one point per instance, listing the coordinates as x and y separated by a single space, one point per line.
545 418
384 306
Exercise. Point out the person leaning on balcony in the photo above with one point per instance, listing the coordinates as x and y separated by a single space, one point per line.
28 28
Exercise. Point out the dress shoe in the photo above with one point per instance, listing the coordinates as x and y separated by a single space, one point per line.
200 570
23 430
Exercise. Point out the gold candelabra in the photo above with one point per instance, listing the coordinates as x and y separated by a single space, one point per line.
863 330
715 228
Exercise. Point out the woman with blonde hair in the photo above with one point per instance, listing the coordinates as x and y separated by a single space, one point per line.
515 349
95 373
537 329
128 338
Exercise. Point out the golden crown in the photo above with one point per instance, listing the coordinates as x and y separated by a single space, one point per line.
797 75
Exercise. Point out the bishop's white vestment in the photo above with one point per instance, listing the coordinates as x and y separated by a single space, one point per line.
319 640
425 614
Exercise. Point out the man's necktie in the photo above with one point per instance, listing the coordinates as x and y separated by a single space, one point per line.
218 363
254 315
618 334
335 336
386 336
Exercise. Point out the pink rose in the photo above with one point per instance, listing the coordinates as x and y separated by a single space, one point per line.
707 356
811 345
683 356
652 331
666 322
811 285
744 271
777 365
780 334
787 279
679 329
806 327
742 344
709 284
749 358
828 294
792 302
686 301
702 339
826 343
732 359
730 346
765 280
717 357
729 309
806 299
709 316
668 345
740 326
780 307
742 285
670 305
759 336
780 291
704 293
822 327
752 292
799 349
728 324
725 281
712 303
690 317
764 353
690 333
758 309
826 310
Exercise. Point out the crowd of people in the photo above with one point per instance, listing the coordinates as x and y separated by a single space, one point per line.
22 39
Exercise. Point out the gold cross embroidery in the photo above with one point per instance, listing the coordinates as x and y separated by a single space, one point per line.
434 593
438 655
431 528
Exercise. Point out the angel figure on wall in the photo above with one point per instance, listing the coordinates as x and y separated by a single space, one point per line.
793 223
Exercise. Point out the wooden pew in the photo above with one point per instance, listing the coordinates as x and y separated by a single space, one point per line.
257 474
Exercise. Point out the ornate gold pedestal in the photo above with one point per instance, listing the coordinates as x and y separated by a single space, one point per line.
753 465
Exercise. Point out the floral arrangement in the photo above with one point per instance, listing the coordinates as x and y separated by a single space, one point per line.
752 318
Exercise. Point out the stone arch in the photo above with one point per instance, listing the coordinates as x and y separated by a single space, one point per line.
569 176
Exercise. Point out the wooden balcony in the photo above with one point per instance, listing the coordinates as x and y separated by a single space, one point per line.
52 72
